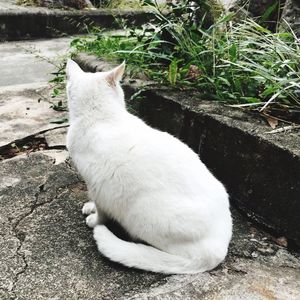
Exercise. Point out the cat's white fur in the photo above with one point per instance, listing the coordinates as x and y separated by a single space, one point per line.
150 182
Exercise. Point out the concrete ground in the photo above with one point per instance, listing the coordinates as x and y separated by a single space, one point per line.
46 250
32 62
25 94
8 4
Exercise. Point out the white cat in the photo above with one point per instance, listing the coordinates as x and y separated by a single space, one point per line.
147 180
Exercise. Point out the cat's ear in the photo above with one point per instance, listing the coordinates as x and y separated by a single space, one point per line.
115 75
72 69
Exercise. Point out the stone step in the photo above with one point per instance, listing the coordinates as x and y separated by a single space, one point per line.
18 23
31 61
26 112
25 95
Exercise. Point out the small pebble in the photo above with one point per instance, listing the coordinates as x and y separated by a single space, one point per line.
265 250
254 254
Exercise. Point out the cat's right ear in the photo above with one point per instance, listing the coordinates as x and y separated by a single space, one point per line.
114 76
72 69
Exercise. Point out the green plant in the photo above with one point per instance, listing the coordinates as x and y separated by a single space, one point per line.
231 62
124 4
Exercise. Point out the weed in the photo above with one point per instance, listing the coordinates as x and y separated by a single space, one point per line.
232 62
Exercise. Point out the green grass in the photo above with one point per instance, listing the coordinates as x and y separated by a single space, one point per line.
124 4
230 62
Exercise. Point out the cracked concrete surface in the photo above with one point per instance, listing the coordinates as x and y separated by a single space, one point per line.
26 111
50 252
25 95
47 252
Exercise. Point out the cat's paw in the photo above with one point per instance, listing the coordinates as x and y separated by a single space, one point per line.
92 220
88 208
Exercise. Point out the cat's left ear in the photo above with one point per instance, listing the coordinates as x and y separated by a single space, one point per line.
115 75
72 69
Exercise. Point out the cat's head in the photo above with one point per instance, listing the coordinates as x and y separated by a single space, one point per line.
94 91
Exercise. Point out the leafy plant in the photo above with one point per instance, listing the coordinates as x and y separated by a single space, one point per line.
231 62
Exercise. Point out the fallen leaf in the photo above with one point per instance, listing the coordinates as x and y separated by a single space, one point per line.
254 254
272 122
281 241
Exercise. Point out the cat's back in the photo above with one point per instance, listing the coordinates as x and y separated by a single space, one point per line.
151 153
130 136
140 151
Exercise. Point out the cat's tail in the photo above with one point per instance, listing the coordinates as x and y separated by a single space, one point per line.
142 256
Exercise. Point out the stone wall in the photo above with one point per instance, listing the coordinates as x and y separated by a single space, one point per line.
257 9
291 13
286 10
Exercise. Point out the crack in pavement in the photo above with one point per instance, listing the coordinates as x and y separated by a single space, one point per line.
30 139
71 167
32 276
21 236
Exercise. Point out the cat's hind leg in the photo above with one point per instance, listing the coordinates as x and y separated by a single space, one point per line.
89 208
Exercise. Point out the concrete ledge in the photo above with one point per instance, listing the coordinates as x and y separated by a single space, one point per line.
19 24
261 171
